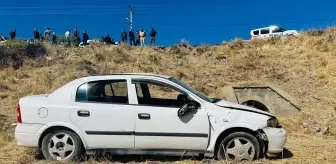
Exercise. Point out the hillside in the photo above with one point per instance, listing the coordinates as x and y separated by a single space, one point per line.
303 67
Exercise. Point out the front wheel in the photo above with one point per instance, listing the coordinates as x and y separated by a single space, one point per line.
238 146
61 145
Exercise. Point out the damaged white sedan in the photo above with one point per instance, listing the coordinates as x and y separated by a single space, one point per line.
143 114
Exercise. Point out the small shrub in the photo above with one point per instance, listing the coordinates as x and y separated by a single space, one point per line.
174 49
315 32
15 52
236 44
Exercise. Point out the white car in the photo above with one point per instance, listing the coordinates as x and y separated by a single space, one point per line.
143 114
272 31
2 39
88 43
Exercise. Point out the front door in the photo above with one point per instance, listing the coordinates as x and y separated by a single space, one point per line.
101 110
157 125
265 32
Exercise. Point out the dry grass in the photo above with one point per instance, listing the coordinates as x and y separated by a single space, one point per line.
303 67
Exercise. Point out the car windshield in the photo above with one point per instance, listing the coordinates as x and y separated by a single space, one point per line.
279 29
199 94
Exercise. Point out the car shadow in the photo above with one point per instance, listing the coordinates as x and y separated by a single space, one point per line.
284 155
126 158
139 158
145 158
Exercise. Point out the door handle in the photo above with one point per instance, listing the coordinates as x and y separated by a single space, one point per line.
83 113
144 116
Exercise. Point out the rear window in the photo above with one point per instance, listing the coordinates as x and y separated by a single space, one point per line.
256 32
265 31
104 91
81 93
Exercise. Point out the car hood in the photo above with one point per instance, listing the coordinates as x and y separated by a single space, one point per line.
227 104
291 32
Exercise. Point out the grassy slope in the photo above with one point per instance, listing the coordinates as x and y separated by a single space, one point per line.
303 67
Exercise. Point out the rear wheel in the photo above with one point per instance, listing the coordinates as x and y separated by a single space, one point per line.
238 146
62 145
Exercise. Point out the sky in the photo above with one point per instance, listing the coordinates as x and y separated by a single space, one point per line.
197 21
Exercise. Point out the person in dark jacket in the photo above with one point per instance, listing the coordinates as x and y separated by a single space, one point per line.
54 39
85 37
137 41
76 36
108 39
131 37
123 36
36 36
12 34
76 33
153 36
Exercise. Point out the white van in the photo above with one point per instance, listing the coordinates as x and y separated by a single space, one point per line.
272 31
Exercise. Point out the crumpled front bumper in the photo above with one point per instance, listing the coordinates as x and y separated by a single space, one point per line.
274 139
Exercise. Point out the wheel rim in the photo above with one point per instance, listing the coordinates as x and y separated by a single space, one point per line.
61 146
238 149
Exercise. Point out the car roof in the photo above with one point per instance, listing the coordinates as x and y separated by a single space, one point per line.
132 74
271 26
64 90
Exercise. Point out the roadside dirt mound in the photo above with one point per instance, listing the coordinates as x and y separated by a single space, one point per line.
303 67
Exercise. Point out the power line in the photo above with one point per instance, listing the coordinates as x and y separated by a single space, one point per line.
141 6
69 13
240 24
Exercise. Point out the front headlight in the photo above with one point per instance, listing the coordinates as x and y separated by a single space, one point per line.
273 122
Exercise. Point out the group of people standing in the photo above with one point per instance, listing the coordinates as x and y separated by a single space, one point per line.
76 37
139 38
38 37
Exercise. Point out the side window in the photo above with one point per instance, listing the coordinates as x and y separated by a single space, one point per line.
162 92
105 91
108 90
119 88
81 93
256 32
155 94
265 31
139 90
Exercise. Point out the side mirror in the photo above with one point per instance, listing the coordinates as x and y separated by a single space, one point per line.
188 107
183 98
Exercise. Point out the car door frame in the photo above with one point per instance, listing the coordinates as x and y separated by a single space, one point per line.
265 36
133 94
104 135
168 83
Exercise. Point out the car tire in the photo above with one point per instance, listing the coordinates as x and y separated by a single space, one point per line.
238 146
62 145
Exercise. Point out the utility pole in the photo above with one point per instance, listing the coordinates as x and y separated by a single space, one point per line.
131 16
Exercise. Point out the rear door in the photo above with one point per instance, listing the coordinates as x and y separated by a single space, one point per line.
157 125
102 111
255 34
